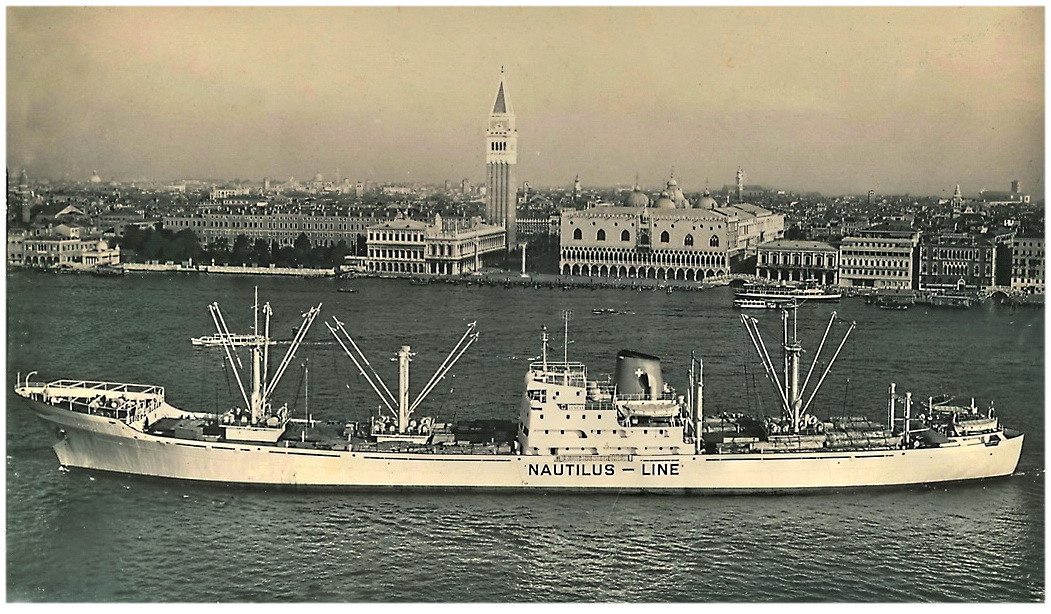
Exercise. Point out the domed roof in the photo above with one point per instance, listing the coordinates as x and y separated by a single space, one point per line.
676 195
707 202
665 202
637 198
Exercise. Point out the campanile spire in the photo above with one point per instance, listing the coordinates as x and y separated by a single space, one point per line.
501 157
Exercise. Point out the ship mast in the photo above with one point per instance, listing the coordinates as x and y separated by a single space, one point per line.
257 362
400 407
262 385
404 357
789 389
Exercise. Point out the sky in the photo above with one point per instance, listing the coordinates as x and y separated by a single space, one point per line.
829 99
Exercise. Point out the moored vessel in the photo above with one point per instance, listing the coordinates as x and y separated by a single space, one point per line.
764 303
800 291
626 432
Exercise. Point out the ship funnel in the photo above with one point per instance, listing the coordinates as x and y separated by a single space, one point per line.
638 374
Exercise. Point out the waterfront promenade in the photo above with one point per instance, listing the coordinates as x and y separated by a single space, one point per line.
509 279
138 267
491 277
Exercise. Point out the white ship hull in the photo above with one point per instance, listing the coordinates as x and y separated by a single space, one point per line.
99 443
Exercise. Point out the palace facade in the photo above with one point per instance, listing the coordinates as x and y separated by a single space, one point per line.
956 261
670 240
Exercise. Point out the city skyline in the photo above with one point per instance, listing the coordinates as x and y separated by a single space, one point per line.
836 100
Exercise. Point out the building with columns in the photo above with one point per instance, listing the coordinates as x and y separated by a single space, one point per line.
668 239
446 247
501 158
786 260
322 227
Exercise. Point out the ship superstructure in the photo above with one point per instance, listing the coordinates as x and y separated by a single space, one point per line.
629 431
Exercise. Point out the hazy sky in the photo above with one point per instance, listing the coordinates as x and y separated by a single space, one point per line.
828 99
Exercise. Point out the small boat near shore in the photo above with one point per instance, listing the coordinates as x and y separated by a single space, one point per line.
764 303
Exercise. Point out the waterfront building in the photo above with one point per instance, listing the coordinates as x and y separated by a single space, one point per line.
956 261
321 227
16 246
879 257
501 158
786 260
663 241
447 247
1027 263
62 246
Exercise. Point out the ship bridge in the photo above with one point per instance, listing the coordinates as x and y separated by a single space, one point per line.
559 373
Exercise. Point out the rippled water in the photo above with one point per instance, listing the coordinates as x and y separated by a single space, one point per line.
87 537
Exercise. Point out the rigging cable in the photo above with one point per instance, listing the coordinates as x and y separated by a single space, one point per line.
853 361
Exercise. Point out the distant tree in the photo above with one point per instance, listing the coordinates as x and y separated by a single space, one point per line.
301 249
152 246
186 246
132 239
261 252
275 253
336 253
241 252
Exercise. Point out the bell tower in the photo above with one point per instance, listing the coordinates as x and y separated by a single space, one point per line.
501 157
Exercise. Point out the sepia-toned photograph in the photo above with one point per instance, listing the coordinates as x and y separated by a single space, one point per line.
514 305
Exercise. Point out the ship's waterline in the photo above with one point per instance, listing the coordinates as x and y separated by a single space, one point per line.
104 537
651 438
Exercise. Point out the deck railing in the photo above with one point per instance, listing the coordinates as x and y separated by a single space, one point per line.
126 402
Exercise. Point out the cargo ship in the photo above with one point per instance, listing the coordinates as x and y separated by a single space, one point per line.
575 432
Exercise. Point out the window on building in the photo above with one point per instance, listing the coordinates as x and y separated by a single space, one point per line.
577 235
714 241
688 241
601 236
625 236
665 237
